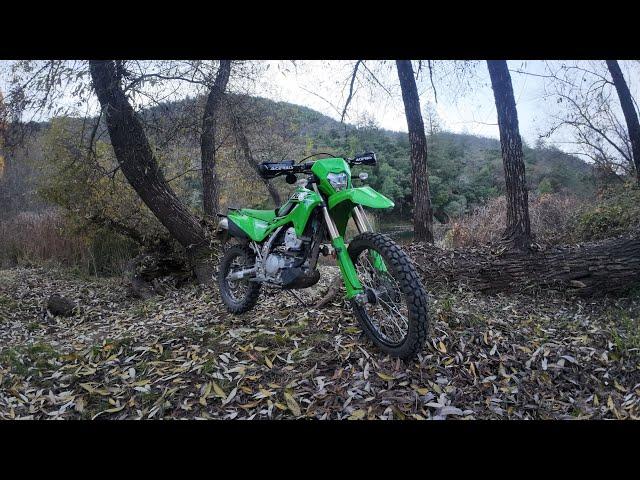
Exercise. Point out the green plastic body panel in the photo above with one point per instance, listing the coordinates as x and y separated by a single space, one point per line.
254 228
264 215
256 225
341 204
365 196
352 284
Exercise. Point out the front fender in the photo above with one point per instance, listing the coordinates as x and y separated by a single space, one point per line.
365 196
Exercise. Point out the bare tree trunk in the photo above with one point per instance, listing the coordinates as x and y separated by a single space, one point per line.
518 231
3 119
246 151
139 165
630 114
210 190
422 214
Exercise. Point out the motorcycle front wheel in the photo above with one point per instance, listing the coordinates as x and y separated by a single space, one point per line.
395 316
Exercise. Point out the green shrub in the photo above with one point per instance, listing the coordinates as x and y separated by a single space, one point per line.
616 212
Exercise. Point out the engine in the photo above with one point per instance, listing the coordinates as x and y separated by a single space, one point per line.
287 263
276 262
284 256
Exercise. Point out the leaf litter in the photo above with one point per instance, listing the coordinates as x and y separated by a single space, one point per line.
181 355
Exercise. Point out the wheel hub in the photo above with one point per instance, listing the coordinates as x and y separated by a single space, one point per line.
372 296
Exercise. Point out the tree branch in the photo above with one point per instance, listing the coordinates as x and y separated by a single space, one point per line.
350 96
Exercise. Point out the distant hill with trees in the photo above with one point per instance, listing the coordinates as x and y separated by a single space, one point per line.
464 170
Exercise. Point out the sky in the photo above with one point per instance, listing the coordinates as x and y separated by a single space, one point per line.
461 107
473 112
470 111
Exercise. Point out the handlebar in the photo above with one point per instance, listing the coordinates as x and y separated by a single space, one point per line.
274 169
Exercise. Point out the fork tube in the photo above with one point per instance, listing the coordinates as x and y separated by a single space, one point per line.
363 225
349 274
360 219
333 230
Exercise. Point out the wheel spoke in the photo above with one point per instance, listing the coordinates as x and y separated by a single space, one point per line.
388 315
237 288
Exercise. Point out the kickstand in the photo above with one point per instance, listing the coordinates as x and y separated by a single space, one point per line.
295 295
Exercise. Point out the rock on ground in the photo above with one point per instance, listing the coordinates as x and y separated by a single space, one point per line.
59 305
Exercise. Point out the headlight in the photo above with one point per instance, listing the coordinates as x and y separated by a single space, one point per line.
338 180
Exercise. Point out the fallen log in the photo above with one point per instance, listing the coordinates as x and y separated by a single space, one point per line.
152 273
588 269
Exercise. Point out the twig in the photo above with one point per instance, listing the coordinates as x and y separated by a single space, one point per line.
376 79
435 93
350 96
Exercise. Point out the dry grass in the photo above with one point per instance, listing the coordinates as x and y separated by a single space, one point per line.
552 218
40 238
30 238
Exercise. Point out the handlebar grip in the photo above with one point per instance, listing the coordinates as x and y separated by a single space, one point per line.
262 170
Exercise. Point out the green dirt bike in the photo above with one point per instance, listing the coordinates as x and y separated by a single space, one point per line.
281 247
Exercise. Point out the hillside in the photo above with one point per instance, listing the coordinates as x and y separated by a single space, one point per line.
465 170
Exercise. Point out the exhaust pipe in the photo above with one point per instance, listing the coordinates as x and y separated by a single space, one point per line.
235 276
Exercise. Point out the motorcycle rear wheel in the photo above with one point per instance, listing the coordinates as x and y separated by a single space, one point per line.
241 295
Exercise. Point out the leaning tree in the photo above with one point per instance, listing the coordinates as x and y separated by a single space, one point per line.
141 128
140 166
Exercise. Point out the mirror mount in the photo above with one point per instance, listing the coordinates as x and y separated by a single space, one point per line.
291 178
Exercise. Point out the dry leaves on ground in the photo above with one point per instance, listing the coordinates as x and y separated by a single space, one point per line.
182 356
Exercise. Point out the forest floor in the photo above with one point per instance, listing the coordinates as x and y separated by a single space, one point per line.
180 355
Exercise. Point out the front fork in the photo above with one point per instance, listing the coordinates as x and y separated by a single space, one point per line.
347 268
363 225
